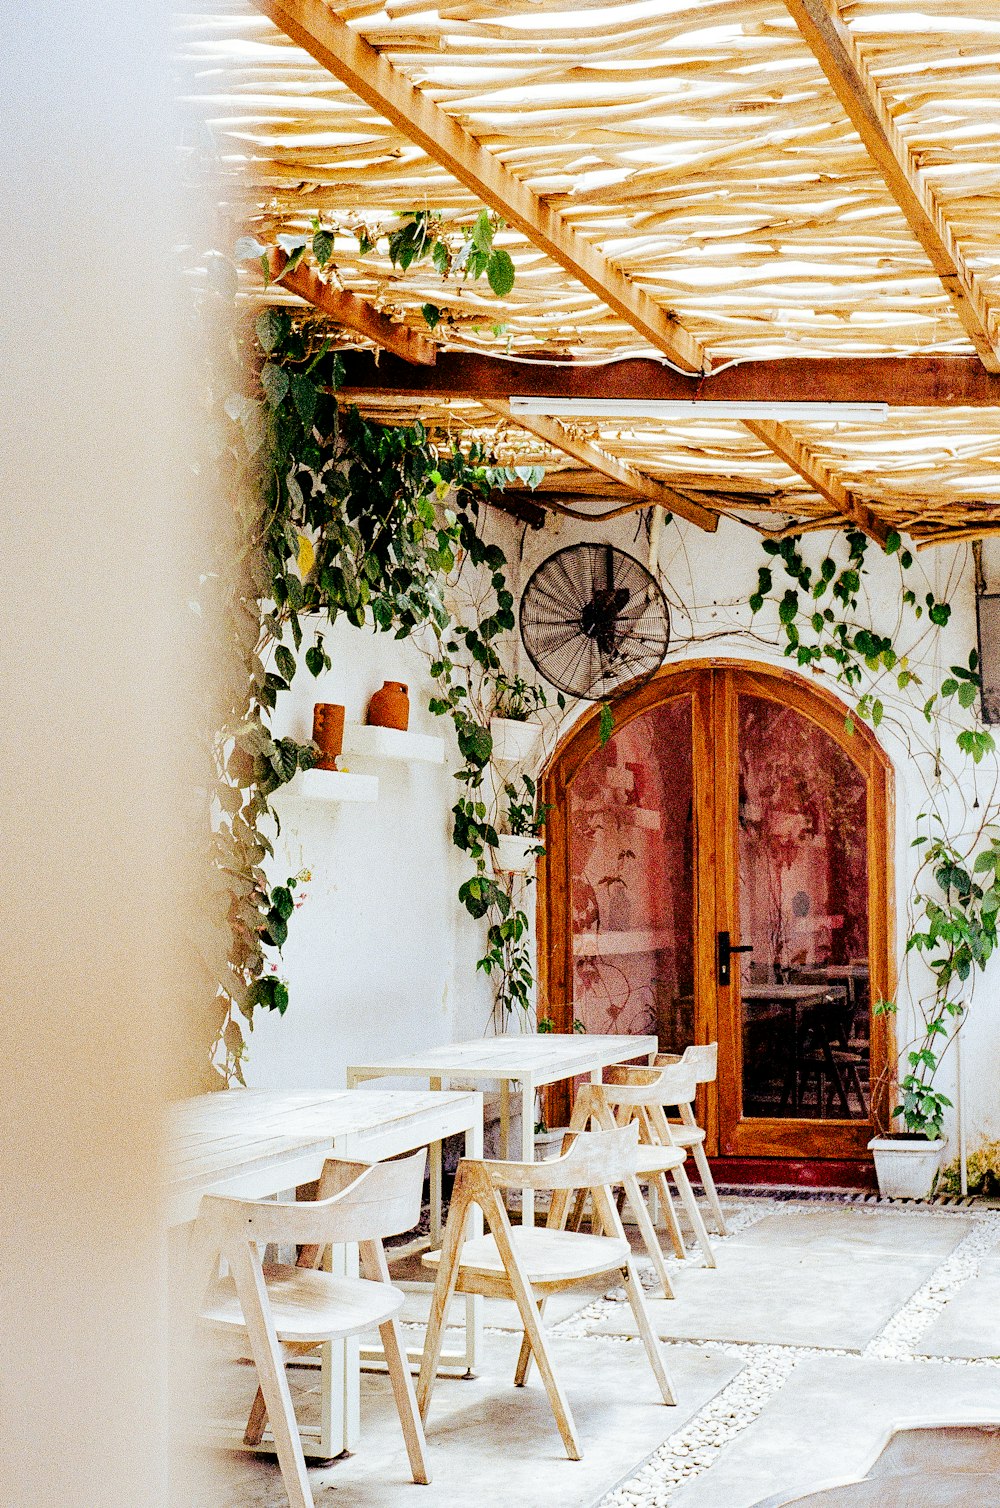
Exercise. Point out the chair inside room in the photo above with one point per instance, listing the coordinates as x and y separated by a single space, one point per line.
288 1310
527 1264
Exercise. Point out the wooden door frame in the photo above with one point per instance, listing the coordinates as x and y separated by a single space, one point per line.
805 1137
575 747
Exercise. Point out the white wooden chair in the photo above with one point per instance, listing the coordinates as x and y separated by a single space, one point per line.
704 1059
604 1106
526 1263
288 1310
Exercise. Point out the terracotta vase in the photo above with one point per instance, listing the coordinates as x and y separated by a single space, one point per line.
328 732
390 707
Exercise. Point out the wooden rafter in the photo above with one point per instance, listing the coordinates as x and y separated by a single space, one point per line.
655 494
320 32
837 54
900 381
801 460
356 313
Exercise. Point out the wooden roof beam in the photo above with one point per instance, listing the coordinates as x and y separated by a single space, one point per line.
317 29
349 310
553 433
899 381
840 59
812 470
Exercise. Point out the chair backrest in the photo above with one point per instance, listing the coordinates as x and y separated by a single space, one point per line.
674 1084
595 1159
384 1200
703 1058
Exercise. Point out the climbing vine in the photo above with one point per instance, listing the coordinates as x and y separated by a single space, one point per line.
956 895
340 518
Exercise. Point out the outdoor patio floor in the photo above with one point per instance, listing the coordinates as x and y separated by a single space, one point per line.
826 1327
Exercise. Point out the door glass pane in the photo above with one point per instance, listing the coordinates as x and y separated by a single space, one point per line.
631 838
803 885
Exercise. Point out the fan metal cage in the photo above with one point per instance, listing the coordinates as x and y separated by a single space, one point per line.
592 618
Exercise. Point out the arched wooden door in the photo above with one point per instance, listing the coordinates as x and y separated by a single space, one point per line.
720 870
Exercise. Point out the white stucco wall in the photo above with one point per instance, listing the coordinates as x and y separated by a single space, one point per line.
380 957
382 953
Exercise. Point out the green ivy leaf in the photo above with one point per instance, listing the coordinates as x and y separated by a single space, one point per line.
272 327
500 273
285 661
606 726
788 606
305 396
323 244
275 382
476 744
482 233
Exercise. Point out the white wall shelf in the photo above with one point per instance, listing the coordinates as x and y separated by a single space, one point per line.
335 785
365 742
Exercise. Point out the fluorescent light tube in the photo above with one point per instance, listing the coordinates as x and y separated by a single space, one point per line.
709 408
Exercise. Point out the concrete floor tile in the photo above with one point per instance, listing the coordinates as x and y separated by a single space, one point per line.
830 1422
859 1230
491 1444
970 1324
793 1296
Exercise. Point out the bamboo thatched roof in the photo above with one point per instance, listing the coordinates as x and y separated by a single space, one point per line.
780 178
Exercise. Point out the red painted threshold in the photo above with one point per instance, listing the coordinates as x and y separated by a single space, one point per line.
807 1173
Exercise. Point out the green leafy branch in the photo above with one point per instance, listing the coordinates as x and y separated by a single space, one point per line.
956 935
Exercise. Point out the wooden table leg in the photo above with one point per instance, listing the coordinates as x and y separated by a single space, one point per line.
527 1146
436 1224
473 1301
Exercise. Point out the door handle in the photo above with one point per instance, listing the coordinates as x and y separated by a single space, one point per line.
724 952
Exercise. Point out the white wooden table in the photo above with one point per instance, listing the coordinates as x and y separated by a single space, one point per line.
527 1062
253 1143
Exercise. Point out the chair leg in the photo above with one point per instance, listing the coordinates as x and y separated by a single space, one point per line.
648 1232
270 1366
669 1214
579 1205
708 1184
257 1421
637 1299
376 1269
534 1333
690 1204
406 1400
524 1355
444 1288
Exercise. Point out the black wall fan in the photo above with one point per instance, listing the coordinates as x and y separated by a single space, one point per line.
593 618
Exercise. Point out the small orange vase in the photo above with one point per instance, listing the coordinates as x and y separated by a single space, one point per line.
390 707
328 732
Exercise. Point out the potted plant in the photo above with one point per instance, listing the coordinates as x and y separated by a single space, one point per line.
514 731
516 849
957 934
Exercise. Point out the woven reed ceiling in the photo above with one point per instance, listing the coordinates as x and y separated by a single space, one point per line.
702 150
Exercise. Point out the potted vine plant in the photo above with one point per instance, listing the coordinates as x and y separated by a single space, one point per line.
513 728
957 934
525 818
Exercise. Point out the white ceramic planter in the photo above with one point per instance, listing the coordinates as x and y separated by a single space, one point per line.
905 1169
515 853
513 742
